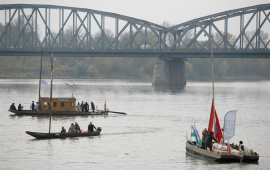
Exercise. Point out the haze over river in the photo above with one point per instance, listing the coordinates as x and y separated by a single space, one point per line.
150 136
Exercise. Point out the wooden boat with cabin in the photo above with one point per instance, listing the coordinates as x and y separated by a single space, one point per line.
60 107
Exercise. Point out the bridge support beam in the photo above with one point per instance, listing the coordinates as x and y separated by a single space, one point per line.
170 72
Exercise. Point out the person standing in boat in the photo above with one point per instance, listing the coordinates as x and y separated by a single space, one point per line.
243 148
33 106
36 106
86 107
204 135
77 128
63 131
93 106
20 108
91 127
71 128
12 107
208 141
78 107
82 106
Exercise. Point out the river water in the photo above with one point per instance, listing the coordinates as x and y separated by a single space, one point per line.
150 136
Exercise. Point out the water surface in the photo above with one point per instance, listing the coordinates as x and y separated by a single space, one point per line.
151 136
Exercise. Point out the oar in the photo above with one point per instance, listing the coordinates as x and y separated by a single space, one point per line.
118 112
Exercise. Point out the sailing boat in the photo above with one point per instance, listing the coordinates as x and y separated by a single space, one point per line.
59 135
222 152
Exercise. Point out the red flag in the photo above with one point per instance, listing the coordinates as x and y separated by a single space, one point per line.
229 149
214 126
105 105
71 85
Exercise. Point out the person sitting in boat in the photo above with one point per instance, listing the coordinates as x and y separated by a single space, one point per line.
86 107
20 108
93 106
33 106
243 148
91 127
63 131
12 107
36 106
204 135
208 141
77 128
71 128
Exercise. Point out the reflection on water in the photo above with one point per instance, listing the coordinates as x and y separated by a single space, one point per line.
150 136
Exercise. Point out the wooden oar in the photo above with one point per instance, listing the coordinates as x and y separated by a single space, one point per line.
118 112
115 112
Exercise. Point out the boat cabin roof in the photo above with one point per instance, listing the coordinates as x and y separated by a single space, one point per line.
59 98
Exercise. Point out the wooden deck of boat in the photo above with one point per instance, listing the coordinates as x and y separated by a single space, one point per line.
195 150
57 113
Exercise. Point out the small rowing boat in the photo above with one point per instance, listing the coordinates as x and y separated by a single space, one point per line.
39 135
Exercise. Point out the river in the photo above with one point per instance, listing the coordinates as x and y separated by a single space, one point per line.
150 136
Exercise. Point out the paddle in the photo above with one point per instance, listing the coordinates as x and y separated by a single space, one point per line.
118 112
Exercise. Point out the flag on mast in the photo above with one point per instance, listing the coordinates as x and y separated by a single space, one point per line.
105 105
71 85
214 126
194 133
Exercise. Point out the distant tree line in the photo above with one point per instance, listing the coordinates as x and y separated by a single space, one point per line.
118 67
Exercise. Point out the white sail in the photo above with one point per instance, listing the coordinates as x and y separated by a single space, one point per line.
229 124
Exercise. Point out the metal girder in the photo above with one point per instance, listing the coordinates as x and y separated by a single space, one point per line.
132 36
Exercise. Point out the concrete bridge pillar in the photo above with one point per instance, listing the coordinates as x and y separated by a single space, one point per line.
170 72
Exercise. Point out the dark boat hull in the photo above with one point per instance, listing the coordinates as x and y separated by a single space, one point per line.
39 135
214 156
57 113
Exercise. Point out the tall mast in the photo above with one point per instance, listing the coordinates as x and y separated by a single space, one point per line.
214 109
52 68
39 86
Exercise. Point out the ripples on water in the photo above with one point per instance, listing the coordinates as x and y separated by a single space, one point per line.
151 136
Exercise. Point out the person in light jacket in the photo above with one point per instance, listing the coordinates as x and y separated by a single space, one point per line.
243 148
71 128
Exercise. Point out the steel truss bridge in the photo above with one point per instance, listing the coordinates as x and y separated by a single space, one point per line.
81 32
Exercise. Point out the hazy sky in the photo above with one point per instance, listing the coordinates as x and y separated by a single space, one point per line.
156 11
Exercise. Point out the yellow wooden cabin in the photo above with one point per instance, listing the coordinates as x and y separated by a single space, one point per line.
59 104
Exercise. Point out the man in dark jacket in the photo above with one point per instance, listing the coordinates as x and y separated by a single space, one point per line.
91 127
93 106
204 135
86 107
12 107
82 106
33 106
20 107
208 141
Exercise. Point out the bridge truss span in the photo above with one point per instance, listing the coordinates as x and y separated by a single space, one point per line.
69 31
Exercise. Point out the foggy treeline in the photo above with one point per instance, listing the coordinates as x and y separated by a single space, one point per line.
125 67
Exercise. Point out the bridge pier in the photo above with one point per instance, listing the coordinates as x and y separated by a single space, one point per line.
169 72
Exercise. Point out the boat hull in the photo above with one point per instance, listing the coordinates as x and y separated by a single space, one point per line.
39 135
214 156
57 113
